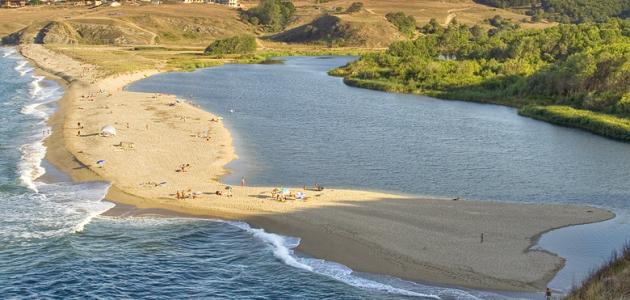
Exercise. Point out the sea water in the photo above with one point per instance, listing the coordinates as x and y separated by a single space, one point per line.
294 125
55 245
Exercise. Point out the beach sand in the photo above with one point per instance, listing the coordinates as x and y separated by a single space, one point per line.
429 240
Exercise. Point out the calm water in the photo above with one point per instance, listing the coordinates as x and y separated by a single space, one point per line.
294 125
54 244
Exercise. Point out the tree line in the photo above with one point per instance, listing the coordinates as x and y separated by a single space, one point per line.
583 66
568 11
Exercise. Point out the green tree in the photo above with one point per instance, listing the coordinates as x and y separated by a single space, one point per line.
233 45
273 15
355 7
405 24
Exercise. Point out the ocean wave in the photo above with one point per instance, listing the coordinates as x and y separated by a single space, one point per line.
22 67
6 52
36 86
283 250
56 210
282 246
47 210
32 154
29 167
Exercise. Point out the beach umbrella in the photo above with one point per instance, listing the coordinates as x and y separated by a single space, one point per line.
108 130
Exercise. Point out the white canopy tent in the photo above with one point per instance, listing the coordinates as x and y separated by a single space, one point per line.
108 130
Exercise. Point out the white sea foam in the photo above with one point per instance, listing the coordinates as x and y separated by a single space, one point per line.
283 250
49 209
282 246
36 86
6 52
22 68
29 168
56 210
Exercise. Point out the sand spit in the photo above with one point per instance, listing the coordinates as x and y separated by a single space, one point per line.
434 240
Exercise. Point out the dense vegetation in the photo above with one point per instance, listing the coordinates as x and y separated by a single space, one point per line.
234 45
612 281
508 3
405 24
355 7
271 15
568 11
585 67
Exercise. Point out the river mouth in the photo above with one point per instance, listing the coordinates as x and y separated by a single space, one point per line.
57 243
294 125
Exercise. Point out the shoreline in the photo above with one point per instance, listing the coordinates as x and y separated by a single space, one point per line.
336 216
608 126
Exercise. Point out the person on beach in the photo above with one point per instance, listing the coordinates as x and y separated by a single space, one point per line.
79 133
242 181
548 294
228 191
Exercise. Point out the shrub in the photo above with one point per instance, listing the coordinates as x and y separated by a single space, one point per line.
274 15
233 45
355 7
405 24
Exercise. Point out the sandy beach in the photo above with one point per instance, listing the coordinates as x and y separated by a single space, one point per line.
433 240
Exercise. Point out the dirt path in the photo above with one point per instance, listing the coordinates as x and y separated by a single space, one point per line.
452 15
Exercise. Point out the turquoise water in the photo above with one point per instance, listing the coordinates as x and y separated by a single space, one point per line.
54 244
295 125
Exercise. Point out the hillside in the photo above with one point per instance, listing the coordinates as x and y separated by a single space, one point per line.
465 11
611 282
567 11
127 25
200 24
343 30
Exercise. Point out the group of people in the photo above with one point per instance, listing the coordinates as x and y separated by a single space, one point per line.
228 191
189 194
79 126
183 168
282 194
185 194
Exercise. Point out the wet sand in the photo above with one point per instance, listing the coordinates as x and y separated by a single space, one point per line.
432 240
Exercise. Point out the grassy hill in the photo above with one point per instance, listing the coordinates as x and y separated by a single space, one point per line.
611 282
466 11
128 25
200 24
343 30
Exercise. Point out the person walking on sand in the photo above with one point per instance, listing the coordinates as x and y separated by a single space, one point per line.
242 181
229 194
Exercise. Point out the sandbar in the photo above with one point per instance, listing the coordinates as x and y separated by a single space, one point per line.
414 238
